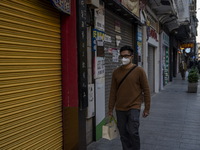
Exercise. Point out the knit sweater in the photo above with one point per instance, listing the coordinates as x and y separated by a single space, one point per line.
133 91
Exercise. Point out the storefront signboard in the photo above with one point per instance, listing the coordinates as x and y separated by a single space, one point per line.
62 5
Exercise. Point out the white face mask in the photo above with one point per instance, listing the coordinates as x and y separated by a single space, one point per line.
125 61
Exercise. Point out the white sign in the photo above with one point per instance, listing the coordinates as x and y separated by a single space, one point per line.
115 57
165 39
118 40
99 18
100 67
107 38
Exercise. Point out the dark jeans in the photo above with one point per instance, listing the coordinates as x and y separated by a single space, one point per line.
183 74
128 125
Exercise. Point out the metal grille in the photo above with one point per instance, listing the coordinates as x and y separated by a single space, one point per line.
151 69
30 75
127 39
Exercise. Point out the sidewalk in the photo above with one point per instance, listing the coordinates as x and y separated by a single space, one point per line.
173 124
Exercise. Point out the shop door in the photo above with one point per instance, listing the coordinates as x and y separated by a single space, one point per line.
151 69
30 74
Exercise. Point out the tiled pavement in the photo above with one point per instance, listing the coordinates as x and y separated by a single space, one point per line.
173 124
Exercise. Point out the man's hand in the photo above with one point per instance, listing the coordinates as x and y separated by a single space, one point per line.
145 114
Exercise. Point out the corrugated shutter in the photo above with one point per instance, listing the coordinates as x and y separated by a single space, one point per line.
151 68
127 39
30 75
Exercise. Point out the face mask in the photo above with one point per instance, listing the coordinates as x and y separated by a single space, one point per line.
125 61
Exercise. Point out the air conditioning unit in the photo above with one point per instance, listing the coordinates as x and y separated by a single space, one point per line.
93 3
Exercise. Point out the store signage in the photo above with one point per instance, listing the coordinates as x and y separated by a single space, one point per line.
139 45
132 6
166 67
62 5
188 45
151 33
165 39
97 39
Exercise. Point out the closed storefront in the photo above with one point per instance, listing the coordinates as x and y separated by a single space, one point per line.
152 66
118 32
164 59
30 74
151 69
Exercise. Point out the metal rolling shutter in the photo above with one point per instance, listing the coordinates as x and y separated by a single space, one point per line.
151 70
30 75
127 39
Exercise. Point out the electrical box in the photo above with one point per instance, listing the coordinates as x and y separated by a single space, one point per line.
100 99
93 3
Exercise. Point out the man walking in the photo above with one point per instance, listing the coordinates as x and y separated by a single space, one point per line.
183 69
129 88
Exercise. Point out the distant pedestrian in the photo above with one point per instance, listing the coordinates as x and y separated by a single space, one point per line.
183 69
126 95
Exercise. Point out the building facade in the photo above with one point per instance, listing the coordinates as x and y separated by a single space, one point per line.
39 107
57 59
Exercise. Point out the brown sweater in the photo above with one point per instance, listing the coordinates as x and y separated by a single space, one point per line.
129 95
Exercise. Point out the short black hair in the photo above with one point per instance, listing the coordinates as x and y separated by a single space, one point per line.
126 47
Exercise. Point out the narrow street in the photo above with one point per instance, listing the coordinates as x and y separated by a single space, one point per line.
174 122
57 59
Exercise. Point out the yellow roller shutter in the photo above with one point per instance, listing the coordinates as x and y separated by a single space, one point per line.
30 75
